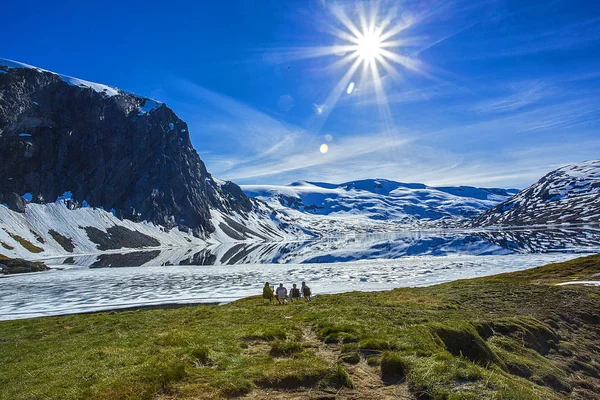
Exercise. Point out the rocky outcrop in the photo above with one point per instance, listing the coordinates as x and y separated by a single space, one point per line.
13 201
568 195
20 266
106 148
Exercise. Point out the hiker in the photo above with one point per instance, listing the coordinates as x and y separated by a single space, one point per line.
268 293
294 293
306 292
281 294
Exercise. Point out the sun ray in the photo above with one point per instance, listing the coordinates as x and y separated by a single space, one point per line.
333 97
369 49
347 59
340 14
362 18
389 69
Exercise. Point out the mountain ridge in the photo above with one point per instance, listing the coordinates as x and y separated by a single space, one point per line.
567 195
375 205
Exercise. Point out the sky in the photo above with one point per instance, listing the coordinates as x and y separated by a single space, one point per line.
443 92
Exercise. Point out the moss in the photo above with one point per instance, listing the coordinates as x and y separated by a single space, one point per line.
373 360
338 377
27 245
376 344
267 334
349 348
6 246
285 348
351 358
463 340
200 354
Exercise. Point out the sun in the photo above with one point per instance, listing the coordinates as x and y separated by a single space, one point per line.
369 46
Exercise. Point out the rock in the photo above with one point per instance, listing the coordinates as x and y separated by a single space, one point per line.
14 202
20 266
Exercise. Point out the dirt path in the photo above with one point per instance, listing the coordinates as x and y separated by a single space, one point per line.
367 381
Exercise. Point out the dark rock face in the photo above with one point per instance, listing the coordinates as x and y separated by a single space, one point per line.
118 237
568 195
56 137
14 202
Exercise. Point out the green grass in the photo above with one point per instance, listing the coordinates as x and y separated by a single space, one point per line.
281 348
511 336
394 367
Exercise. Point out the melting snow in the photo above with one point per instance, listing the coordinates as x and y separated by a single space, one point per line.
585 283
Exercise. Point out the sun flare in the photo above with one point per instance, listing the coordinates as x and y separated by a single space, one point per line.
369 46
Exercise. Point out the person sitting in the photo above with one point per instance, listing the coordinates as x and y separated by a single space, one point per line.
268 293
306 292
281 294
294 293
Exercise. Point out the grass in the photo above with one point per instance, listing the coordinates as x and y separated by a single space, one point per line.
394 367
27 245
281 348
510 336
6 246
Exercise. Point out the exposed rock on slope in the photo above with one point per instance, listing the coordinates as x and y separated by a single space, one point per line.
99 146
569 194
19 266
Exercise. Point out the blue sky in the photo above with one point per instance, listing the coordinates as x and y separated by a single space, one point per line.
487 93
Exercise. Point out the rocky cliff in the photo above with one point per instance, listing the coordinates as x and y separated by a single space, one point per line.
102 147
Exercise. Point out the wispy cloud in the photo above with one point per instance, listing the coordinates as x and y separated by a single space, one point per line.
520 94
251 146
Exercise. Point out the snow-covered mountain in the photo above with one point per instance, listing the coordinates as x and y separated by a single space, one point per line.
568 195
373 205
70 149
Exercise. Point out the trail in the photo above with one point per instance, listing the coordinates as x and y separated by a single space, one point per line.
367 380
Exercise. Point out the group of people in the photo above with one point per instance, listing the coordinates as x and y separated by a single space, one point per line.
281 293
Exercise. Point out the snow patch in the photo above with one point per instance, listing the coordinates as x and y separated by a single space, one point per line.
585 283
149 105
98 87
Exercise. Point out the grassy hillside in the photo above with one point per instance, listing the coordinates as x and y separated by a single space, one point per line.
510 336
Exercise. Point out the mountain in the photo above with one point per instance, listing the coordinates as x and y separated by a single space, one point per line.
90 146
568 195
375 204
